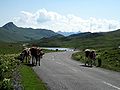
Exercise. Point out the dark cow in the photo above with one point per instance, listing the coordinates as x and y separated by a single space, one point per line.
90 57
36 54
33 51
40 54
25 54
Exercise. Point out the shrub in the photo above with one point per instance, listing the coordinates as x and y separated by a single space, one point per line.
7 66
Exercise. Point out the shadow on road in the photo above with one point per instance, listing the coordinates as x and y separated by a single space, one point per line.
85 66
30 65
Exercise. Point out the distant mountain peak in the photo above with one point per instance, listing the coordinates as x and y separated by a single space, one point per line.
9 25
67 33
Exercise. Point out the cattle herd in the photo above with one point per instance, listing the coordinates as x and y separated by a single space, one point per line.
34 54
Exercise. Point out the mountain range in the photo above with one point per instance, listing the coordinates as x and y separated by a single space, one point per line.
85 40
11 33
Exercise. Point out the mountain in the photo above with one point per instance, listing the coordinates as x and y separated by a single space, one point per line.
85 40
11 33
10 26
67 33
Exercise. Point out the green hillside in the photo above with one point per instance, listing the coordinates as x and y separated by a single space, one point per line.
85 40
12 33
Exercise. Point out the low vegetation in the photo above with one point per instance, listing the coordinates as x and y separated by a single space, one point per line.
7 66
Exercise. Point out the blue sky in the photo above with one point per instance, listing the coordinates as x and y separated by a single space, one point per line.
88 13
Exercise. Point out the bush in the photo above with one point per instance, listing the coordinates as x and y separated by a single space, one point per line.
7 66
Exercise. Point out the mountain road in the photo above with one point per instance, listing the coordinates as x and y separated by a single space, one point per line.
59 72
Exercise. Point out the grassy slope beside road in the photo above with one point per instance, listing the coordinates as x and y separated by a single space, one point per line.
110 58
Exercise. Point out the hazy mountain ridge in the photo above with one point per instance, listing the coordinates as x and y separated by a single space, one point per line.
11 33
67 33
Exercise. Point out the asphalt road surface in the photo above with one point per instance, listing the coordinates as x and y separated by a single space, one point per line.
60 72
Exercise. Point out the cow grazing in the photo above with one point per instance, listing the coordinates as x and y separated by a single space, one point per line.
25 54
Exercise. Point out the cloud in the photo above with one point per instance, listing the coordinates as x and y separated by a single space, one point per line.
57 22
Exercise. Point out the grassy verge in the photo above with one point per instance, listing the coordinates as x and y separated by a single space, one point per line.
10 48
110 58
30 80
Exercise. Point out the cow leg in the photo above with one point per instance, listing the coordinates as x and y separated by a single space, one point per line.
23 58
86 61
91 62
94 62
29 59
26 58
32 60
36 58
39 60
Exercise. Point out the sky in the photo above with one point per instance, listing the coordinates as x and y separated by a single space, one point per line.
62 15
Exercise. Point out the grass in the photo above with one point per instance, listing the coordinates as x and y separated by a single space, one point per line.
30 80
10 48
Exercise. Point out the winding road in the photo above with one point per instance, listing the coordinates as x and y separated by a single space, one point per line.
60 72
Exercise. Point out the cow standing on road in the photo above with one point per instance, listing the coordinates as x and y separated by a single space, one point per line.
40 54
87 53
33 51
36 54
90 57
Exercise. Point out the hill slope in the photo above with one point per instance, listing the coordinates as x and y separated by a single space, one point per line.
85 40
11 33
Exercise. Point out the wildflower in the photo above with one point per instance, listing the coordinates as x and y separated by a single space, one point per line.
6 80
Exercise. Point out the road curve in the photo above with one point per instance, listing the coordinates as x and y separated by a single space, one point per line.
60 72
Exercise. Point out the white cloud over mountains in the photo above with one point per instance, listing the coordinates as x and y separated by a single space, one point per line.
57 22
